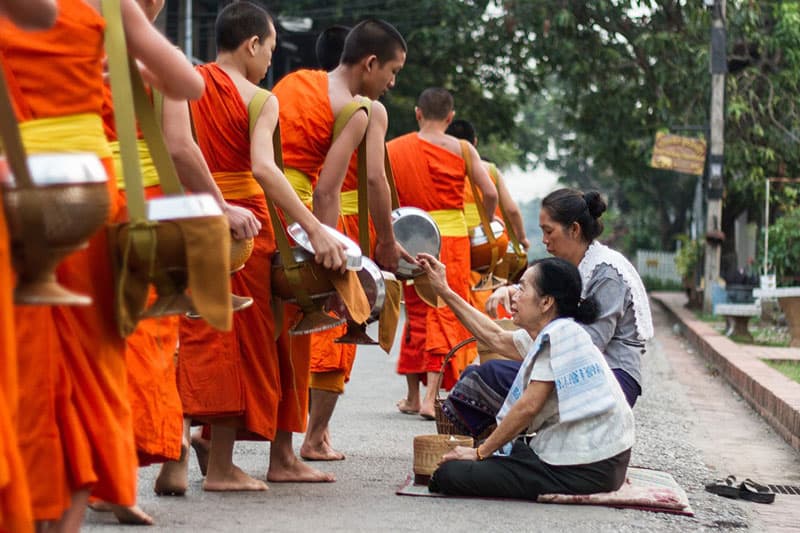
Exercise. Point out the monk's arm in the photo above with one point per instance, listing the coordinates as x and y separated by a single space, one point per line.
512 211
329 186
380 203
166 68
276 187
483 182
30 14
481 326
193 170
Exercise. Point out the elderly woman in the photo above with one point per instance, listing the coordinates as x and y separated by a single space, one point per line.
578 428
570 222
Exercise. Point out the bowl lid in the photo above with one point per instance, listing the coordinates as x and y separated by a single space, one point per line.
352 250
63 169
177 207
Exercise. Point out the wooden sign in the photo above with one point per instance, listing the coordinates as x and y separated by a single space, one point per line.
681 154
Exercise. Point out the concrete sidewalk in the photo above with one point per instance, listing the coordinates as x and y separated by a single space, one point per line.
673 428
732 437
773 395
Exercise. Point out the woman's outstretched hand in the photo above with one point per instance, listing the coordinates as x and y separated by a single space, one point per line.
436 271
460 453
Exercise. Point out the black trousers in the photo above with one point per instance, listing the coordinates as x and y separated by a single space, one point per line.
523 475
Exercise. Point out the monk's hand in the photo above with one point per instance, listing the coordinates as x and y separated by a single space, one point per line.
460 453
436 271
501 296
386 255
328 251
243 223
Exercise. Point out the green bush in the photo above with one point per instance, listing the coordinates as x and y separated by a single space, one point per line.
655 284
784 247
688 258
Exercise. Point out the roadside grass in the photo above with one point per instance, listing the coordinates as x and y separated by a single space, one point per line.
764 333
790 369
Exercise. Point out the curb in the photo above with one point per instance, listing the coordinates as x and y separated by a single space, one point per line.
774 396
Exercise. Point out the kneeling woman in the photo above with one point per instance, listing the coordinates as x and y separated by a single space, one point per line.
565 426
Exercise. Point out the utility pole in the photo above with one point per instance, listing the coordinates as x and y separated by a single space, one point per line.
716 186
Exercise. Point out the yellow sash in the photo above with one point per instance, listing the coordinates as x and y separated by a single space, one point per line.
301 185
70 133
149 172
451 222
349 202
471 214
237 185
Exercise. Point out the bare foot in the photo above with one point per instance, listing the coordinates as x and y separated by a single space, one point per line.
173 478
100 506
132 515
298 472
407 408
201 447
235 480
321 452
428 412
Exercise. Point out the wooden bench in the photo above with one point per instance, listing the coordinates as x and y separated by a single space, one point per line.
736 318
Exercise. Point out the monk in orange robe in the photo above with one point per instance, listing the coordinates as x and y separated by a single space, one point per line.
463 129
234 380
75 430
429 171
373 54
15 504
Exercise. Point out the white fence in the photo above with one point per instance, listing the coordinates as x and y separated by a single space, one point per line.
657 265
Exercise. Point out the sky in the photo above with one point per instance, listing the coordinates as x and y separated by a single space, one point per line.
525 185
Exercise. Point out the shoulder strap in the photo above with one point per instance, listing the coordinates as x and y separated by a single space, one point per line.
153 136
478 197
509 227
342 118
290 266
122 96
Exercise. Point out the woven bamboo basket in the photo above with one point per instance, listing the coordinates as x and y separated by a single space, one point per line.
443 424
428 451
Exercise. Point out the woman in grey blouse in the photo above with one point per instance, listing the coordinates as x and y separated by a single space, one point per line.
570 222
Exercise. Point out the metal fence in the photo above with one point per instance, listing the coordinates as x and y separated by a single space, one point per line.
657 265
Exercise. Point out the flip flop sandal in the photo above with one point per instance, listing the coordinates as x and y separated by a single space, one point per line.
755 492
726 488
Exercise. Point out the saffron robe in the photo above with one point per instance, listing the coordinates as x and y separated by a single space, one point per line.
75 429
432 178
233 377
150 356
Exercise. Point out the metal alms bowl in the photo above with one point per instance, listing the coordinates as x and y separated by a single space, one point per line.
481 250
67 205
416 231
371 279
171 275
315 277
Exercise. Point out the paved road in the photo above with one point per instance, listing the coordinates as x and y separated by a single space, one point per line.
378 443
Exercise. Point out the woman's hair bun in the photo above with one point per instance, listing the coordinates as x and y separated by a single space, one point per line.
597 206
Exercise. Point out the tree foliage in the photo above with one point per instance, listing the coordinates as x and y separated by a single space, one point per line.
585 86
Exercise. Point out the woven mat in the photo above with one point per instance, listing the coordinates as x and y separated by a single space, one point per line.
644 489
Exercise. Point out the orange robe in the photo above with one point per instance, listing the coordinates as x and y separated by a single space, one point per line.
15 503
150 355
233 377
75 426
306 131
432 178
